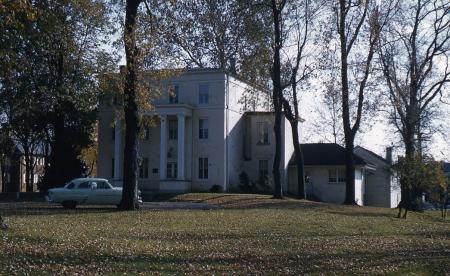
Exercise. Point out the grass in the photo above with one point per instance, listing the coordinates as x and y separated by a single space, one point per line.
249 234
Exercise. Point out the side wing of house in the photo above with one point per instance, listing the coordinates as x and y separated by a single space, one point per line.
381 186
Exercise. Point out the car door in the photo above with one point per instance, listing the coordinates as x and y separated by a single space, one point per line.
81 193
103 194
110 196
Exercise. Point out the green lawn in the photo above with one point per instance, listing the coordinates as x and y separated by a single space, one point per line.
248 235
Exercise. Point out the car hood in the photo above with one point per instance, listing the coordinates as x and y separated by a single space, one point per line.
117 188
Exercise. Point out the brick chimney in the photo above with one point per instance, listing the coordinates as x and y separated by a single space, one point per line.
233 66
389 154
122 69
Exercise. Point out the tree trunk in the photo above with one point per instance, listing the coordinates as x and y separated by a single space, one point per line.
278 193
348 132
28 168
298 160
3 175
276 96
130 165
349 173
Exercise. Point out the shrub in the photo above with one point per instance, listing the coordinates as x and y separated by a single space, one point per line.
216 189
246 185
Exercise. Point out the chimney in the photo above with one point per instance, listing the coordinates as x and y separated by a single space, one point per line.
389 154
233 66
122 69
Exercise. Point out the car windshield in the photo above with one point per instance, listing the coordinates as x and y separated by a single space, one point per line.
70 185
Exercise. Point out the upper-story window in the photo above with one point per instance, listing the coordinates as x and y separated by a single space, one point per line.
143 168
263 133
146 134
173 94
203 128
203 94
173 130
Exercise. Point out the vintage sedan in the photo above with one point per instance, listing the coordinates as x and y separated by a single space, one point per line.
95 191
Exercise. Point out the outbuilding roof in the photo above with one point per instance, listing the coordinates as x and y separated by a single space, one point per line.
325 154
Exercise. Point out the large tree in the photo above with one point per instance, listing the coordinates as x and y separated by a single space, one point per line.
18 104
225 34
277 8
300 66
129 195
57 56
358 27
414 56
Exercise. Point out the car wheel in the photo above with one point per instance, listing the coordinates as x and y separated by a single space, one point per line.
69 204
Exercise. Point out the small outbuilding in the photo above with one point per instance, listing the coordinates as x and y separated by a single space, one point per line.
325 176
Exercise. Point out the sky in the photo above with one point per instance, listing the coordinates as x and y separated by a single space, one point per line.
380 135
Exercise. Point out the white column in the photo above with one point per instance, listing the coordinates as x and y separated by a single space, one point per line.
181 142
118 148
188 159
163 148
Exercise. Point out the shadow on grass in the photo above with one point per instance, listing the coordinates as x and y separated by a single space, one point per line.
246 201
433 260
271 204
43 208
353 213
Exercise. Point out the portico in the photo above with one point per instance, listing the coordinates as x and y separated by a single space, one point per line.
168 114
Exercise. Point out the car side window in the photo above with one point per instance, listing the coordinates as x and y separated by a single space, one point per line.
102 185
84 185
70 186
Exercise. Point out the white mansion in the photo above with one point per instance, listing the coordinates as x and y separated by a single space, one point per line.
209 129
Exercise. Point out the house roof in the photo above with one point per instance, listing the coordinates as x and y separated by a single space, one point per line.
325 154
371 153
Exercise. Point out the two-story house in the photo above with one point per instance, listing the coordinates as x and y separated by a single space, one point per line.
208 128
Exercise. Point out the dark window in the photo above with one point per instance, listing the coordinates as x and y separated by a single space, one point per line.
173 94
70 186
203 168
147 134
203 127
143 168
263 169
332 176
263 133
203 94
154 170
341 175
336 176
112 167
172 170
173 130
